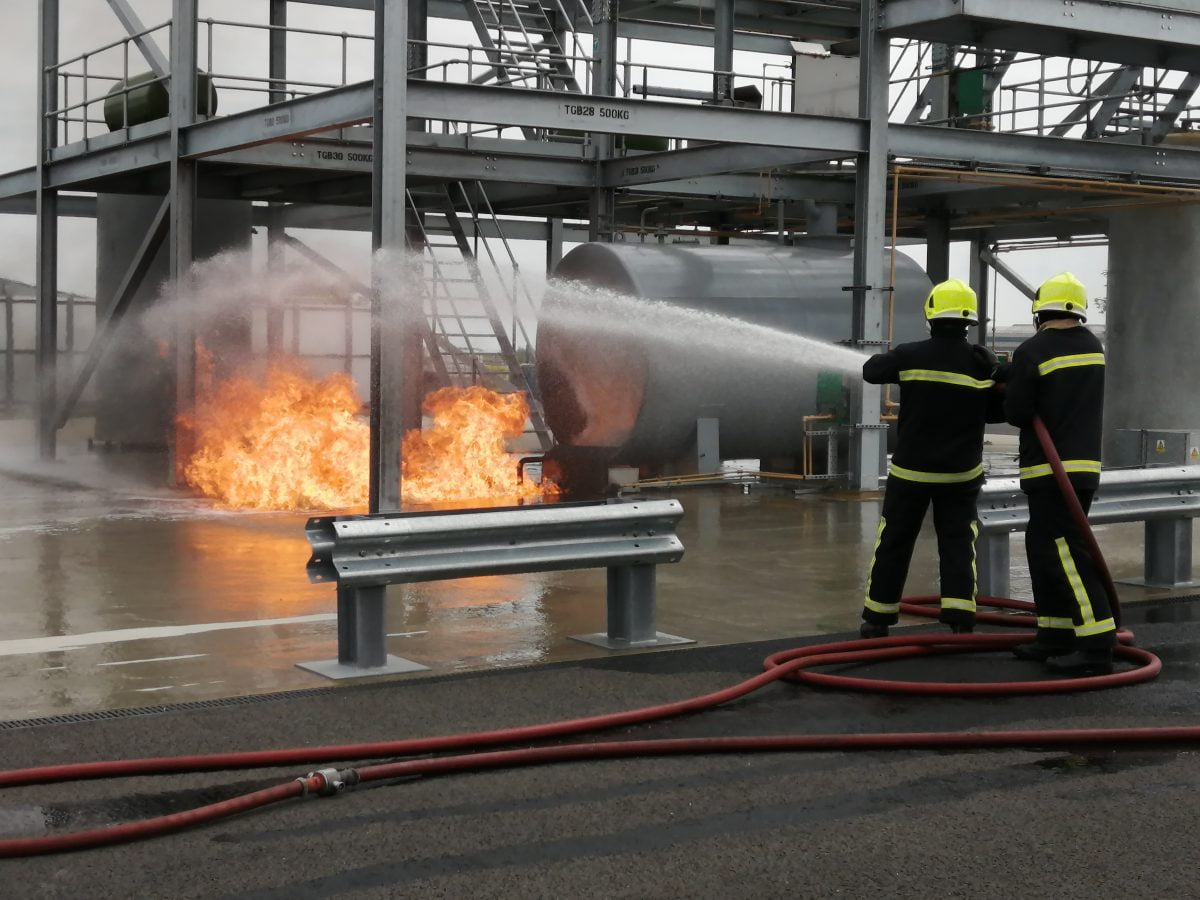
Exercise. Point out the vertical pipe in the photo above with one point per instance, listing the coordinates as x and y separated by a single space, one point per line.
183 203
723 19
870 220
602 213
396 360
47 234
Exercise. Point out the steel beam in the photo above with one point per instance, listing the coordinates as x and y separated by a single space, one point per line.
395 336
870 216
694 162
108 322
134 27
182 207
1165 33
47 232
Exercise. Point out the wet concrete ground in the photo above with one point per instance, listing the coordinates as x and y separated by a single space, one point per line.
118 593
1063 822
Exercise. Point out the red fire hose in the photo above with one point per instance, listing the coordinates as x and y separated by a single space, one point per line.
791 665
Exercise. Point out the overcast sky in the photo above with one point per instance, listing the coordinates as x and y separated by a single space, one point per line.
87 24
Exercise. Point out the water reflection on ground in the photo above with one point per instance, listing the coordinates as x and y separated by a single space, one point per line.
124 596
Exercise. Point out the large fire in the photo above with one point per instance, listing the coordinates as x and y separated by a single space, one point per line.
285 440
288 440
462 457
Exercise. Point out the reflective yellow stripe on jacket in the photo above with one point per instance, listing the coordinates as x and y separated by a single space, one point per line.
936 477
1077 466
1070 362
939 377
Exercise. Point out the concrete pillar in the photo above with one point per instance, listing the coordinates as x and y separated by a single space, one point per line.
1152 326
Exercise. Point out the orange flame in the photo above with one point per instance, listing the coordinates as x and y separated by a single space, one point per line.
462 457
285 441
288 440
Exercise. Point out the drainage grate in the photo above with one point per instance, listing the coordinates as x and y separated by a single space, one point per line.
187 706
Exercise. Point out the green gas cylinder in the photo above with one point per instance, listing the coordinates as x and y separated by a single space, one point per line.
149 99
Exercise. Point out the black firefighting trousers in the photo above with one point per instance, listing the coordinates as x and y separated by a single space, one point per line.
954 518
1073 608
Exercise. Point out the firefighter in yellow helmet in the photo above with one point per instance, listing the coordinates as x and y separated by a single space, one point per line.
946 396
1058 374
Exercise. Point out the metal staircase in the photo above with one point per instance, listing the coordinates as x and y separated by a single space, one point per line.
529 43
467 338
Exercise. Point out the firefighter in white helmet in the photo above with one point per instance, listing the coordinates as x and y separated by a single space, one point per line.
1058 375
947 395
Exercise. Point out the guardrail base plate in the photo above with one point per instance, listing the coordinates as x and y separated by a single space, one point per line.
601 639
331 668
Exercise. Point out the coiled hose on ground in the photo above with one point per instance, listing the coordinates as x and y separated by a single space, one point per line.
791 665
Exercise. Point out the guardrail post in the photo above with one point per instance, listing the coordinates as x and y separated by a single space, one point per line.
993 563
362 638
632 594
1168 553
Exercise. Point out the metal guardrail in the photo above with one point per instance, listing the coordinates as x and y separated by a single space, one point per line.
364 554
1166 499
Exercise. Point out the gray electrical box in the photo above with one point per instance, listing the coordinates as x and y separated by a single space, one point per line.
1143 448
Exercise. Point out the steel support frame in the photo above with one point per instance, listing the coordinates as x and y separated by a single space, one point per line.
396 355
47 233
182 220
870 215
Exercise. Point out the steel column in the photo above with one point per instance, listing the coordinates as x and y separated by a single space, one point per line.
47 233
937 247
722 50
602 212
396 362
182 217
554 243
870 215
277 65
978 274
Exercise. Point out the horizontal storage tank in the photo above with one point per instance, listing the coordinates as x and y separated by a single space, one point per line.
622 393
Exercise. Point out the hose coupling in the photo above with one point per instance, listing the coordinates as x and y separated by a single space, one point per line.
333 781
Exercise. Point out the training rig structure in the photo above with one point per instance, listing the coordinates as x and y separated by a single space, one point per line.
970 125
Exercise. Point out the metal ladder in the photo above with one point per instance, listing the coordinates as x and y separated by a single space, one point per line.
524 42
467 338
